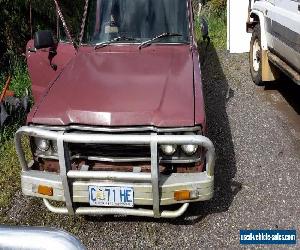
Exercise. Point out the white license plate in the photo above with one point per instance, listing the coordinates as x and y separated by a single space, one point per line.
111 196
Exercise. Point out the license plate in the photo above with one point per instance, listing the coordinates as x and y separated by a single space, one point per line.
111 196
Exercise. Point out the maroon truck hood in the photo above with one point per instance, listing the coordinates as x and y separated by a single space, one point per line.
123 87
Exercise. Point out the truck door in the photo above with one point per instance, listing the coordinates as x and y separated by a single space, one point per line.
285 29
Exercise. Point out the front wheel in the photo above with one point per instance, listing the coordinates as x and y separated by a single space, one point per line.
256 56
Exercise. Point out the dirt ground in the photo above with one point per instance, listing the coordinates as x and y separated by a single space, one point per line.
256 132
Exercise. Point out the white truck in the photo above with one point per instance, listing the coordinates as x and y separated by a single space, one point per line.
275 42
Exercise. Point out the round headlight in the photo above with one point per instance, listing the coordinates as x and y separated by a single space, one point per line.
168 149
189 149
42 144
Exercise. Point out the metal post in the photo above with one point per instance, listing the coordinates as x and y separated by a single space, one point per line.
64 162
20 151
57 25
30 19
155 175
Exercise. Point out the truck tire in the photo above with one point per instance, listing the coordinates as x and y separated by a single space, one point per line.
256 56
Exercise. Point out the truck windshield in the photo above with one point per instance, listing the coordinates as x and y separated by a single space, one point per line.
136 21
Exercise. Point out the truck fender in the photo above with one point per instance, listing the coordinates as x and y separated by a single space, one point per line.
269 72
261 19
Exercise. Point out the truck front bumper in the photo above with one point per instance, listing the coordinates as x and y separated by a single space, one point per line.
150 189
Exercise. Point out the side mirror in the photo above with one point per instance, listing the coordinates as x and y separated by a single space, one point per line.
204 27
205 35
44 39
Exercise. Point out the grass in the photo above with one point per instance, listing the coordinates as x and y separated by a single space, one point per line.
10 181
9 164
20 83
217 28
9 172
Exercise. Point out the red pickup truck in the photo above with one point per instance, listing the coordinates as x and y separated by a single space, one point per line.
118 125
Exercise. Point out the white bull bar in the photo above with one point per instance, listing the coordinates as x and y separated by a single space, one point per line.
153 140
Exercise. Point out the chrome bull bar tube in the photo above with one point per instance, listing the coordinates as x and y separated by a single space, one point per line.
145 139
118 211
12 237
109 175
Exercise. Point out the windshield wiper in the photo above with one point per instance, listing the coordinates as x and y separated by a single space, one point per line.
120 38
149 42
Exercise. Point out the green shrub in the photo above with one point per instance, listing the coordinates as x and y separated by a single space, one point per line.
20 82
20 85
217 29
218 6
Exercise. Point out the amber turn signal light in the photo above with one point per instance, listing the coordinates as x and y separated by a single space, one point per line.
44 190
182 195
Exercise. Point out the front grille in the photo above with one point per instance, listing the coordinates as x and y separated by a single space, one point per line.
120 157
120 153
109 151
125 153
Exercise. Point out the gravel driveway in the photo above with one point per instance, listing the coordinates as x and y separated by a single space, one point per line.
257 175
